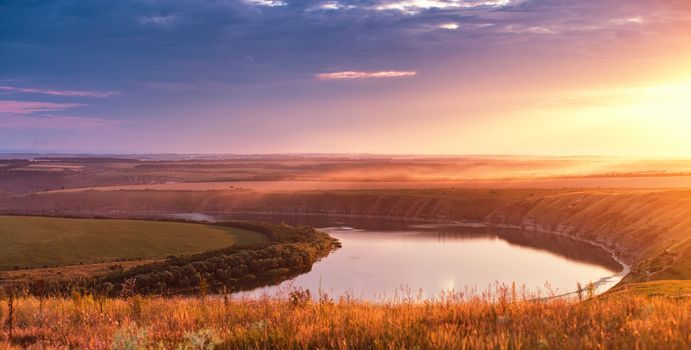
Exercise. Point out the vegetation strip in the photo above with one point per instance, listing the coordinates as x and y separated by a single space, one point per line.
291 250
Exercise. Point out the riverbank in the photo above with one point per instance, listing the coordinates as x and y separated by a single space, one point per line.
292 250
647 229
282 252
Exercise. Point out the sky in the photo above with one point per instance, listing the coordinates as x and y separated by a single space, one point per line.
543 77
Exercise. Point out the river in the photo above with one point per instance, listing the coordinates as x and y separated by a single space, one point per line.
387 259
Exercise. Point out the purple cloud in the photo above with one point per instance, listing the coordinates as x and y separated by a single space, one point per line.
364 75
72 93
29 107
56 122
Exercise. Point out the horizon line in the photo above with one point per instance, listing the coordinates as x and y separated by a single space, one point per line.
80 153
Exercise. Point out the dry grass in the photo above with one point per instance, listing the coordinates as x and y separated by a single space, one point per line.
70 272
628 321
668 288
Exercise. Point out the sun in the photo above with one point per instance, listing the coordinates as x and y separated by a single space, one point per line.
658 115
666 107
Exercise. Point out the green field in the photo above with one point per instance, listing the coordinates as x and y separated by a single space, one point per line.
42 241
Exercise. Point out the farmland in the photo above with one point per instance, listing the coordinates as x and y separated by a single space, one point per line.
40 241
38 173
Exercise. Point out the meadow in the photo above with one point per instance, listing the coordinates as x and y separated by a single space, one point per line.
501 319
30 242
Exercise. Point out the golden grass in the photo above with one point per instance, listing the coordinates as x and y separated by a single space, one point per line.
69 272
674 289
628 321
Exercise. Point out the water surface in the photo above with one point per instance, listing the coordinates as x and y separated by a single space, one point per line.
383 259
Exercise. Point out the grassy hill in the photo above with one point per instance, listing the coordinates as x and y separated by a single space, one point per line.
651 230
43 241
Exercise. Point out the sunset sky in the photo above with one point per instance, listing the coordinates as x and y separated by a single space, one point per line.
557 77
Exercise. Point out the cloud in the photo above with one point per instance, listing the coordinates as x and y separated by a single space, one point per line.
628 20
267 3
71 93
364 75
159 20
450 26
29 107
288 43
332 5
56 122
516 29
415 6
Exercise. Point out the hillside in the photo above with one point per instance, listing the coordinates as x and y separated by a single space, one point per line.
651 230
